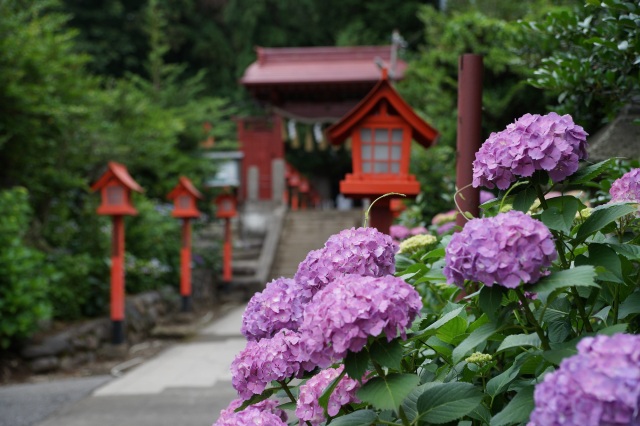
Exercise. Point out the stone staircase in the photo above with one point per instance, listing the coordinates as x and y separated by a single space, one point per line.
306 230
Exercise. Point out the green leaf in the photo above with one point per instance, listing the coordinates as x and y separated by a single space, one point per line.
518 409
555 356
357 418
387 354
256 398
356 363
445 318
448 401
525 199
560 213
387 393
630 305
613 329
602 216
410 403
580 276
452 330
588 173
499 383
601 255
490 299
630 251
518 340
479 335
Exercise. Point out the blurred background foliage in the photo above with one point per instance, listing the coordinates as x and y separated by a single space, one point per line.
83 83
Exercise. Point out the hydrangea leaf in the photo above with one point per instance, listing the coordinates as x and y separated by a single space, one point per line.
581 276
387 354
324 399
257 398
560 213
499 383
387 393
519 340
452 330
410 403
601 216
357 418
631 305
479 335
445 318
518 409
490 300
525 199
356 363
588 173
630 251
448 401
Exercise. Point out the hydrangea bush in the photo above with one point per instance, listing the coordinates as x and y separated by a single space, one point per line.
529 315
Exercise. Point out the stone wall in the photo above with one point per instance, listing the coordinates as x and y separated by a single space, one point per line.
83 343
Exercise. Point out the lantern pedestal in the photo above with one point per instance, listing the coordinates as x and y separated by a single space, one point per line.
185 266
226 252
380 215
117 281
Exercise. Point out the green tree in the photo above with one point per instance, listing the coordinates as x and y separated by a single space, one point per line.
588 57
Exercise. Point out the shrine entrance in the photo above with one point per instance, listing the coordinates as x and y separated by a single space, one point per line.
303 91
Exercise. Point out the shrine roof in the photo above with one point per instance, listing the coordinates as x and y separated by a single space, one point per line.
308 65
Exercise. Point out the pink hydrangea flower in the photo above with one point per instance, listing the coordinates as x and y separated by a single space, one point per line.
418 230
308 407
360 251
261 362
626 188
399 232
264 413
507 249
346 312
599 386
277 307
533 142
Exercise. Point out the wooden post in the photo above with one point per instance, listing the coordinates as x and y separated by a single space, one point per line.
117 280
226 252
470 70
381 216
185 266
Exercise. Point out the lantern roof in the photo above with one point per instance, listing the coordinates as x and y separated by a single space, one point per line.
421 131
184 185
119 172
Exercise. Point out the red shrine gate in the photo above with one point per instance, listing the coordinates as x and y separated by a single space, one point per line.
308 85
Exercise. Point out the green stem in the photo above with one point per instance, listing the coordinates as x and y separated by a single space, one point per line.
366 213
532 319
379 369
616 304
581 311
286 390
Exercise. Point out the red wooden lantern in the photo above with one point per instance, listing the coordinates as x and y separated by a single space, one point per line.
381 128
226 206
115 187
184 197
397 206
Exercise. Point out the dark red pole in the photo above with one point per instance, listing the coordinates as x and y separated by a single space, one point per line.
381 216
117 281
226 251
470 70
185 265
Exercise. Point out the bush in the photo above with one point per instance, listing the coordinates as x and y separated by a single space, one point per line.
23 272
528 316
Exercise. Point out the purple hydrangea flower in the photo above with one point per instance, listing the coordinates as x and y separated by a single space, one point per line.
278 306
445 228
261 362
507 249
627 188
308 407
399 232
264 413
346 312
533 142
360 251
418 230
486 196
599 386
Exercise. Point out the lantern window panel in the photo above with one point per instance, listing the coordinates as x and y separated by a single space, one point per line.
381 135
396 152
366 167
183 202
396 136
381 152
114 195
395 167
365 135
226 205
